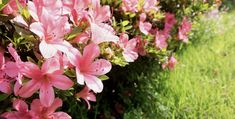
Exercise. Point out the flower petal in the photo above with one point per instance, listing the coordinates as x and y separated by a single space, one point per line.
20 105
30 70
90 52
100 34
51 65
100 67
11 69
61 82
61 115
5 86
29 88
36 106
46 95
13 52
38 29
80 77
56 104
94 83
47 50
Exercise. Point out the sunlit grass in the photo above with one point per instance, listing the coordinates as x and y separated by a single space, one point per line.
203 83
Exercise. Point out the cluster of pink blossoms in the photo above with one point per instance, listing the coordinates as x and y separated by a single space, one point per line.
51 21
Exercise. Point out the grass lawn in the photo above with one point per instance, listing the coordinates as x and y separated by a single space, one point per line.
203 83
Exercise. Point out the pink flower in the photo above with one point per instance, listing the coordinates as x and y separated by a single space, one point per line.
5 85
150 5
99 13
53 7
161 40
170 63
39 111
129 48
87 95
140 47
51 32
21 112
13 68
144 27
87 69
45 79
12 8
130 5
76 9
184 29
102 33
169 22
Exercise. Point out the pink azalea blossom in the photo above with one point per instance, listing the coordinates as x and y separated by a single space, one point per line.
102 33
87 95
129 48
184 29
144 27
76 9
170 63
99 13
87 69
5 85
53 7
13 68
51 32
45 79
39 111
21 112
130 5
161 40
140 47
169 22
150 5
12 8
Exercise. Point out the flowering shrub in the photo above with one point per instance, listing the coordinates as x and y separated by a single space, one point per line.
53 45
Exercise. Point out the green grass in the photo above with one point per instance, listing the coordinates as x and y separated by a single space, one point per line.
203 83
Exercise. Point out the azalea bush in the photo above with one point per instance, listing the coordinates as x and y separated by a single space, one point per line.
61 50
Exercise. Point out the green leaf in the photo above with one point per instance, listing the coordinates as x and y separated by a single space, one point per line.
70 73
31 60
124 23
103 77
3 97
3 3
25 13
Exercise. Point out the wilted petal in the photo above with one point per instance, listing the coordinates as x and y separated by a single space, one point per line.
94 83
